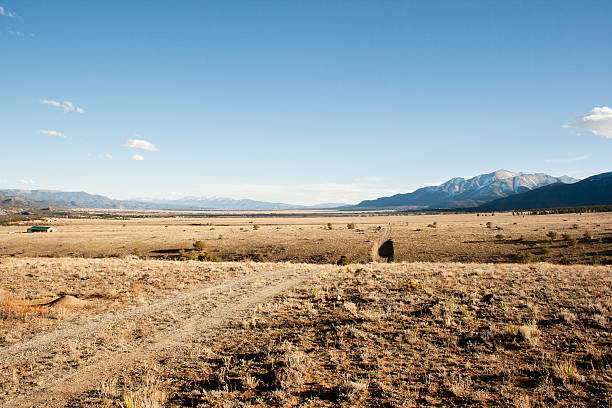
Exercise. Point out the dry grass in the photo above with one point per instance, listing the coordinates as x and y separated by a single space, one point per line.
455 238
529 332
440 343
401 334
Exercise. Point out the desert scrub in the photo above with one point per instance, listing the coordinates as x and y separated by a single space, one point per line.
411 284
343 261
569 239
149 393
207 257
529 332
552 235
188 256
565 371
349 389
525 257
199 245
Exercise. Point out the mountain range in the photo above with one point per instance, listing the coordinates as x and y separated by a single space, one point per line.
222 203
498 191
592 191
460 192
11 199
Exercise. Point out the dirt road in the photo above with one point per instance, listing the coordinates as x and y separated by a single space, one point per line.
73 359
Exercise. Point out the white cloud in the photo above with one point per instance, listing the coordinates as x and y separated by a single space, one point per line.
108 156
598 121
136 157
4 12
373 179
53 133
26 181
140 144
66 106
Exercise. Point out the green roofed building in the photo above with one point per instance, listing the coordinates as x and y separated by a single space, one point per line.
41 229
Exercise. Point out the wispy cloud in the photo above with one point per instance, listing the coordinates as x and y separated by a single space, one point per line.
108 156
66 106
4 12
566 159
15 33
53 133
598 121
373 179
137 157
140 144
27 181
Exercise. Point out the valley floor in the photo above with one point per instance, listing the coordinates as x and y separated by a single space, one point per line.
480 238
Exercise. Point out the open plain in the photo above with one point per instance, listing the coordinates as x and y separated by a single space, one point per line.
121 313
315 238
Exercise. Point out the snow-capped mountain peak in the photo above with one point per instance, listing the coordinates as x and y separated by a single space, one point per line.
468 192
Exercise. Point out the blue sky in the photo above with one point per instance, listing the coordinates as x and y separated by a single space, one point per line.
300 102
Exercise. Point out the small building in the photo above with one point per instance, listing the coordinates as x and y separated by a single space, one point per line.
41 229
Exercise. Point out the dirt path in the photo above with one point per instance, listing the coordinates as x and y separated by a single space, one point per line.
74 359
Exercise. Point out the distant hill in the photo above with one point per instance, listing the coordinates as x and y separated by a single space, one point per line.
462 193
595 190
198 203
9 202
10 199
221 203
70 200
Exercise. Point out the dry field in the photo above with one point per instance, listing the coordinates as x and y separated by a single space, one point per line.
152 333
306 237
